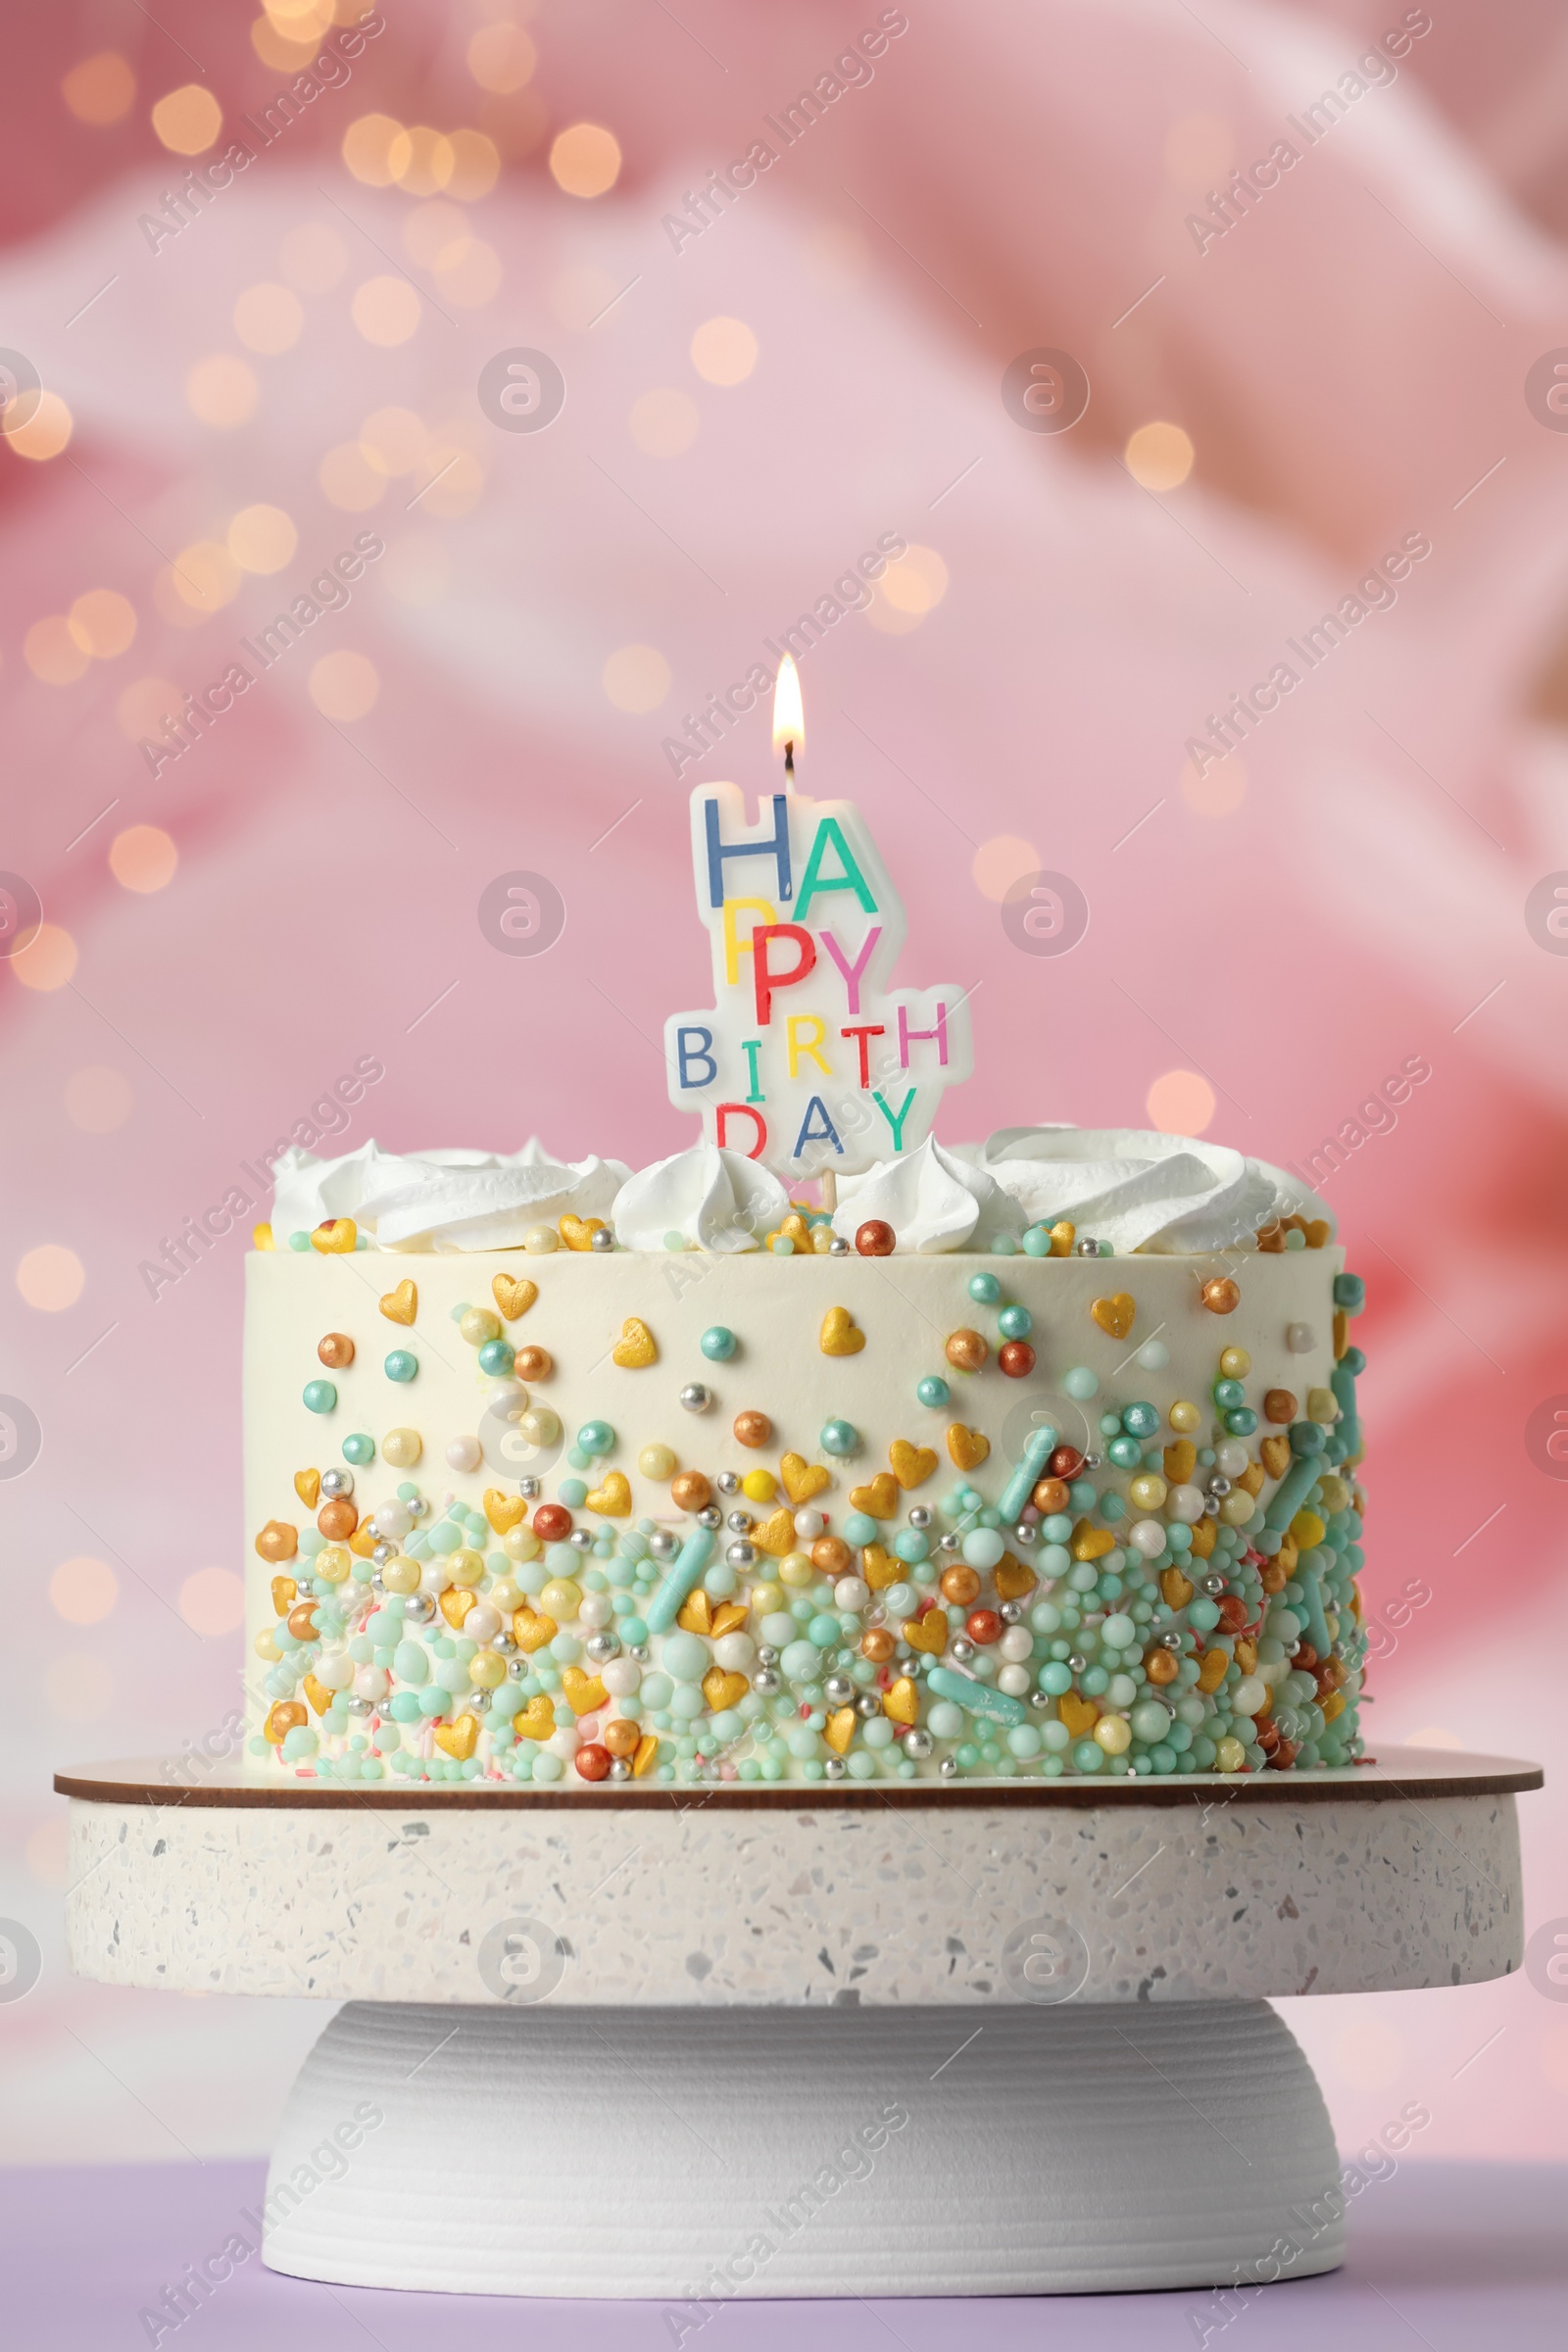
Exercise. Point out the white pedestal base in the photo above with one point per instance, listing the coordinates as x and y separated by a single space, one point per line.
697 2155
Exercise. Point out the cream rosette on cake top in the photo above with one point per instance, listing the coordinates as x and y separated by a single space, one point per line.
712 1198
1141 1189
442 1200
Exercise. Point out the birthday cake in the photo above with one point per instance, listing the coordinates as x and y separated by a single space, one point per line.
1019 1459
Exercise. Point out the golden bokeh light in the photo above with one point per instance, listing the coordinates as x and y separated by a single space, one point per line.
386 310
50 1277
637 678
53 653
476 166
393 440
1159 455
585 160
908 591
143 858
502 58
83 1590
44 431
202 579
268 319
724 351
350 480
367 145
101 90
188 119
312 257
104 624
97 1099
1181 1102
468 273
262 539
345 685
47 962
221 391
422 160
143 708
1219 790
664 422
213 1601
1001 861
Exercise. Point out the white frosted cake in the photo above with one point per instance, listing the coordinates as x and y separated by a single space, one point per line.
1028 1459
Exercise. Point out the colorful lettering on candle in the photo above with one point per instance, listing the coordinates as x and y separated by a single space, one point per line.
809 1058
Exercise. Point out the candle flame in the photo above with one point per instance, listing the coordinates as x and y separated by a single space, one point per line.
789 716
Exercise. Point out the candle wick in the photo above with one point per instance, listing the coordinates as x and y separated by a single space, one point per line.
789 756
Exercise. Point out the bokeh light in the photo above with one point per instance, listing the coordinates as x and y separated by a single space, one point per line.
103 622
268 319
101 90
1001 862
664 422
143 858
368 146
344 685
221 391
476 166
637 678
44 431
50 1277
350 480
422 159
188 119
502 58
724 351
98 1098
53 653
202 579
48 960
262 539
82 1590
1181 1102
142 707
394 440
385 310
908 591
1218 791
1159 455
585 161
213 1601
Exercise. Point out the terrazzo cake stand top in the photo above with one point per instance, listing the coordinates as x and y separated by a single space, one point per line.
738 2040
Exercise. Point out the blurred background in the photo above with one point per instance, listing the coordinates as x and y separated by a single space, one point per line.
999 295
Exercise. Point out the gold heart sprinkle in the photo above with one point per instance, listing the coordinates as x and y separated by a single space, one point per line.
1115 1315
532 1629
1090 1543
1078 1714
696 1614
635 1349
839 1728
318 1693
402 1304
721 1690
455 1604
537 1720
514 1295
912 1466
881 1568
503 1510
335 1236
613 1498
458 1739
1276 1455
776 1534
285 1594
308 1486
967 1446
647 1750
579 1232
928 1633
801 1479
1013 1579
878 1500
728 1615
584 1691
841 1335
900 1701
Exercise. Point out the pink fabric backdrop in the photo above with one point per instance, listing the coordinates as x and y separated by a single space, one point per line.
1350 363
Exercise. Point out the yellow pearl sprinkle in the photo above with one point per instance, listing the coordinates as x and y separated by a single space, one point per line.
759 1485
1183 1414
1235 1363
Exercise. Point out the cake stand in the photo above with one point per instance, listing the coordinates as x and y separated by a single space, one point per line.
737 2040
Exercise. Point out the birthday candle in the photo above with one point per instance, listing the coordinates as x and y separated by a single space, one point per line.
1020 1486
681 1580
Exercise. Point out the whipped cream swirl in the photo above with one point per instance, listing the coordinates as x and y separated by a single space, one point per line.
1141 1189
718 1200
933 1201
441 1201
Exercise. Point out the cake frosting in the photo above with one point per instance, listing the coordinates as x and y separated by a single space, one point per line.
1033 1458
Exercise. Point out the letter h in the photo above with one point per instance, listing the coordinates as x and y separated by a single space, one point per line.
779 848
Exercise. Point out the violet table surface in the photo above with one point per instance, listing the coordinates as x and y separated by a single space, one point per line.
1452 2256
